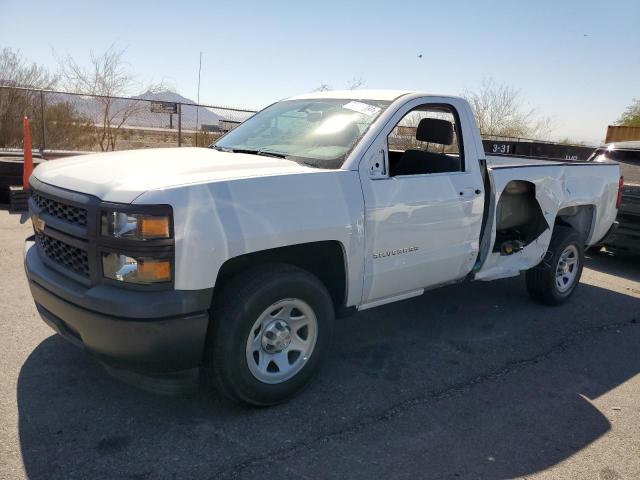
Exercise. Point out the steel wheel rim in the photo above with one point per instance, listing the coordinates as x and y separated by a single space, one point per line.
567 268
281 341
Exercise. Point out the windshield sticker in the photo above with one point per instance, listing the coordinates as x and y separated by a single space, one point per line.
363 108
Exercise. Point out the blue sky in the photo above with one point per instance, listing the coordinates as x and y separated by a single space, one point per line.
255 52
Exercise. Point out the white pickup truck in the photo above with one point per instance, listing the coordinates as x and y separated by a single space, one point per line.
235 260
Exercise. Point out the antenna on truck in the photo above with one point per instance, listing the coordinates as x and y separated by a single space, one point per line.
198 101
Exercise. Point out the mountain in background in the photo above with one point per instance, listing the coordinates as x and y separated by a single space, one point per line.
142 116
164 96
190 113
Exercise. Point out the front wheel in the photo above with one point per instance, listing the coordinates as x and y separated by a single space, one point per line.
554 279
271 327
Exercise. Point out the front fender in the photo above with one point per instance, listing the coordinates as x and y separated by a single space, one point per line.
218 221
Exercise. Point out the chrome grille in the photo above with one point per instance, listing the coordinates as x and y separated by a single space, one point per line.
62 211
73 258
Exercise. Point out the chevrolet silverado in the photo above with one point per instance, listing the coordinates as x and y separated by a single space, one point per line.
235 261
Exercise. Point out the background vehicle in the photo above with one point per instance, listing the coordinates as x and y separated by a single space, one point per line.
236 258
11 168
626 237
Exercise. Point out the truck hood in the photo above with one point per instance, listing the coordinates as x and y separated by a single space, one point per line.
123 176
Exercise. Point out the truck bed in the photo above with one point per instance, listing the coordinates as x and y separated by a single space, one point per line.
584 197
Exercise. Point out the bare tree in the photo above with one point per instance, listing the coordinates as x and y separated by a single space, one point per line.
354 84
323 87
631 115
15 71
15 103
107 77
500 111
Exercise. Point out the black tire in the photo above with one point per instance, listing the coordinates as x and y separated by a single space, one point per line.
235 309
541 279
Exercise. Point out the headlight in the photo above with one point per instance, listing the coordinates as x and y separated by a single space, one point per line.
135 226
142 270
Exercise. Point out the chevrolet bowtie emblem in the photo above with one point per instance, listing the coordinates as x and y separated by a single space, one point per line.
38 223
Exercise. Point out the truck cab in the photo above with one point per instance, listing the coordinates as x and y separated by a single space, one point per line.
424 198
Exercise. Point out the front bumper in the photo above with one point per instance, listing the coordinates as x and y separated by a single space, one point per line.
154 333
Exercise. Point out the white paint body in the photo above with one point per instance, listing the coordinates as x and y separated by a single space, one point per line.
230 204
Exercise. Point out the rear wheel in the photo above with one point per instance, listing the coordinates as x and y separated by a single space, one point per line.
271 328
554 279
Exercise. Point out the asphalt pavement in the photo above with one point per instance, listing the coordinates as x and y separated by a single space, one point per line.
469 381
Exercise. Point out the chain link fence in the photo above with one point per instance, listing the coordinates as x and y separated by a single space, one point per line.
63 122
76 122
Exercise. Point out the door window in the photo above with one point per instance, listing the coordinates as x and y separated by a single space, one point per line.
426 141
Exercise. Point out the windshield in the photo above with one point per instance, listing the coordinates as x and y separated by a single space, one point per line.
629 161
316 132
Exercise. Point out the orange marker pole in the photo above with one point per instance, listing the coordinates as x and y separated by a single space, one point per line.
28 157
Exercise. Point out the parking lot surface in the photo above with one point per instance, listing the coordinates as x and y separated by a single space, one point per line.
469 381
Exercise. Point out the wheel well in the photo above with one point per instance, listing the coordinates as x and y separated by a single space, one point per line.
578 217
518 215
324 259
